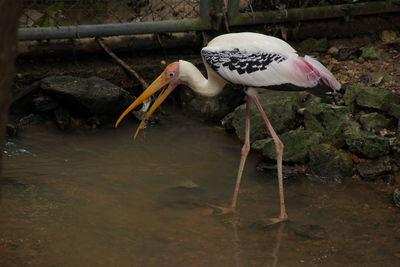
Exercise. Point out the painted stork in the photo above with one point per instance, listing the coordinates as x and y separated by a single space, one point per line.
255 61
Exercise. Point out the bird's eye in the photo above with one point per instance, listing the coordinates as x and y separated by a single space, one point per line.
171 74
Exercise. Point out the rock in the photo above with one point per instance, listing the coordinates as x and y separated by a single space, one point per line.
212 108
388 178
182 198
371 52
93 95
29 120
94 121
309 231
297 144
351 93
310 100
370 97
333 50
371 169
280 106
186 184
62 118
359 60
375 121
394 111
331 120
387 36
373 97
364 78
396 197
290 172
391 78
375 78
44 104
227 122
314 45
328 165
11 130
367 144
98 120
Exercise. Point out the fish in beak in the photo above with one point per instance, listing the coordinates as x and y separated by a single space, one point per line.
166 82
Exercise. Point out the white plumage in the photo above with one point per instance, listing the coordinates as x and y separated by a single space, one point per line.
250 41
294 69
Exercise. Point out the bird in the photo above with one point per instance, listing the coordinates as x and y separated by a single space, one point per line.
255 61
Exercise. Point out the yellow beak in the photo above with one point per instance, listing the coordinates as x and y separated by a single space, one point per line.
155 86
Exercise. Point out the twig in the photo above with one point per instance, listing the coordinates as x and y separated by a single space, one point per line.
122 63
225 12
140 114
160 43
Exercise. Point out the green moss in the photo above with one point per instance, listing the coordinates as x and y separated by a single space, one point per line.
297 144
314 45
367 144
329 165
280 106
330 120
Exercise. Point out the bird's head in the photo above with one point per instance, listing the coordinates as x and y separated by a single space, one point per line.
167 81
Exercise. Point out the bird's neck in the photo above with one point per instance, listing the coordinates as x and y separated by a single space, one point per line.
195 80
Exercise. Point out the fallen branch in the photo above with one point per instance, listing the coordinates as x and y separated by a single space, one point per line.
139 114
24 92
122 63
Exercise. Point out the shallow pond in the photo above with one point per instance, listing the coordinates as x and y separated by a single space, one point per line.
98 198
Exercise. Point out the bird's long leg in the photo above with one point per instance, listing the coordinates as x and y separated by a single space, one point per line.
244 152
243 157
279 154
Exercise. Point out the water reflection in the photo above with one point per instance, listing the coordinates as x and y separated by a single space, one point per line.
96 198
237 251
275 252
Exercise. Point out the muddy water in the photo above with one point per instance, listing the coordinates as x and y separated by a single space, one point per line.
96 198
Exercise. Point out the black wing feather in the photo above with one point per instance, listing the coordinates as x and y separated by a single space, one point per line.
239 60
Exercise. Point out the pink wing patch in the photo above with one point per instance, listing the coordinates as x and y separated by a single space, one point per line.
310 71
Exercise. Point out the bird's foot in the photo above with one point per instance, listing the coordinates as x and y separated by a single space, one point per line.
271 221
223 210
229 216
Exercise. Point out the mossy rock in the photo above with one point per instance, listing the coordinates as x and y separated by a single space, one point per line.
367 144
394 110
309 231
314 45
371 52
329 165
375 120
372 169
350 95
280 107
331 120
296 145
89 95
370 97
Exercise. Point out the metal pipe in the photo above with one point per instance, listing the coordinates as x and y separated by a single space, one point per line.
105 30
310 13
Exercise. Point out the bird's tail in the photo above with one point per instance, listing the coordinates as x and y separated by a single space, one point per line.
321 72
